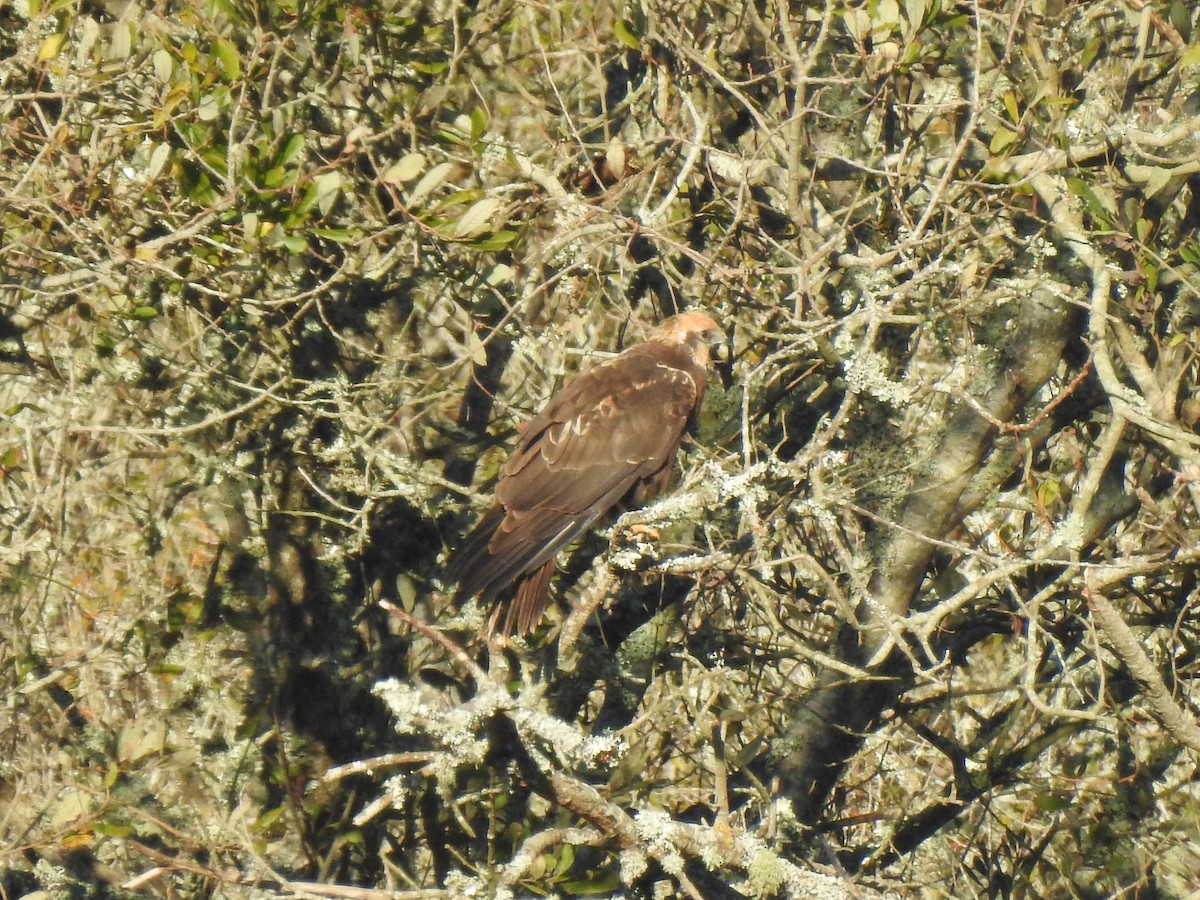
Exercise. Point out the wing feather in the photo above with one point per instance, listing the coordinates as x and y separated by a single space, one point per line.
616 422
610 431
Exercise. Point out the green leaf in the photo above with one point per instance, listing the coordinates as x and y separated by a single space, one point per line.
310 198
228 8
290 150
159 158
1002 139
1151 276
1178 14
566 859
912 54
476 220
407 592
104 344
1051 802
461 198
164 64
50 47
113 829
497 240
430 182
217 157
405 169
601 883
1157 179
328 185
457 131
338 235
1049 491
267 819
273 178
229 58
184 609
143 313
1095 205
478 123
1010 106
293 242
623 31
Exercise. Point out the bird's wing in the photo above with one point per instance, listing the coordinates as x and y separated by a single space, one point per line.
612 427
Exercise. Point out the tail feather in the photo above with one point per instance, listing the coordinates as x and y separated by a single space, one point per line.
524 611
468 562
489 561
476 571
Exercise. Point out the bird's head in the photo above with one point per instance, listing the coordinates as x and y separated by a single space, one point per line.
695 330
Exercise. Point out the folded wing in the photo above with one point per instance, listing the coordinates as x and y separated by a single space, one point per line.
610 433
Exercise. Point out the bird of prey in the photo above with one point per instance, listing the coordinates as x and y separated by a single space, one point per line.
607 438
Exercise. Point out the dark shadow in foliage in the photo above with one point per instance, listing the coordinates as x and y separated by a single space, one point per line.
622 75
18 883
955 642
12 338
650 279
600 648
475 413
314 678
322 668
319 644
400 539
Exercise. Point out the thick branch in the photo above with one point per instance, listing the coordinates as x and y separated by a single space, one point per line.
1121 639
831 720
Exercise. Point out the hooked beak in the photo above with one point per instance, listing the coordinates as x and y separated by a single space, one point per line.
720 346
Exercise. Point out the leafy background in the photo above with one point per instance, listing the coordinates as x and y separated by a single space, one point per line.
279 283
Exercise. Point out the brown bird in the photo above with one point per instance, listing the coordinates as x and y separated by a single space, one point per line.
608 437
